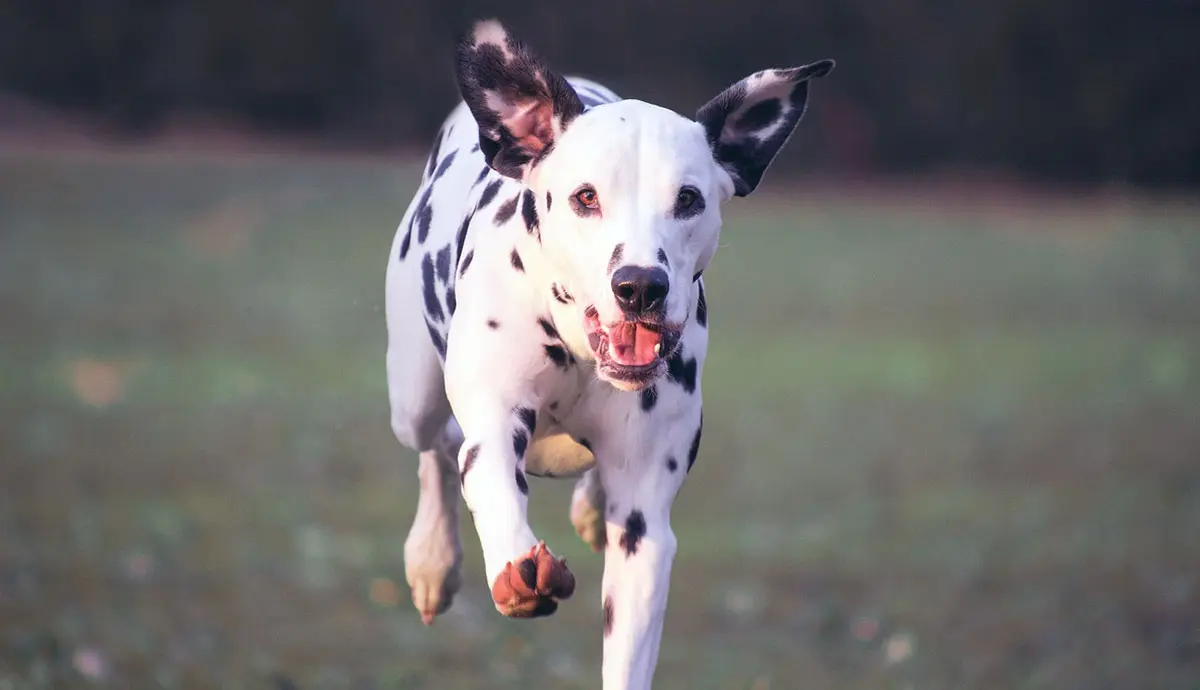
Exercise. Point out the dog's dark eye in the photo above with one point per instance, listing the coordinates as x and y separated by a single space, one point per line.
587 198
687 198
688 203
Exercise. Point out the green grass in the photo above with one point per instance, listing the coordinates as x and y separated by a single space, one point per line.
967 436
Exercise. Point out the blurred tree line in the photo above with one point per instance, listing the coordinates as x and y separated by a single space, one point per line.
1086 91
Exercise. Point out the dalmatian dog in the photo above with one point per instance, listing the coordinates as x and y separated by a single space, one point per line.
546 315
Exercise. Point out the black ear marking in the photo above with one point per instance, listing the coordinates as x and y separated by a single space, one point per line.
520 104
748 123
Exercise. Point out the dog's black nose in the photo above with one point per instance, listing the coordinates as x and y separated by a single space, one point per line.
640 290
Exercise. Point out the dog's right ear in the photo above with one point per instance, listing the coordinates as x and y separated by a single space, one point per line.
521 106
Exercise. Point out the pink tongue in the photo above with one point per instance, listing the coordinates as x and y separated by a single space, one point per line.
633 344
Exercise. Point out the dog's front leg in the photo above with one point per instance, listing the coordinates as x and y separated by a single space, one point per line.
526 580
640 488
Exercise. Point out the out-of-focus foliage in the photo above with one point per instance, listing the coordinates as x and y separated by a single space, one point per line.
1071 90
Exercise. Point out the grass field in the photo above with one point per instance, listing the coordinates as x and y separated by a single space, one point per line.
944 447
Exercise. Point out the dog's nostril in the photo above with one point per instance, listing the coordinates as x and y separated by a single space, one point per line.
656 292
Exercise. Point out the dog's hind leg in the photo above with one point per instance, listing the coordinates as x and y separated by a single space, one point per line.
433 550
587 510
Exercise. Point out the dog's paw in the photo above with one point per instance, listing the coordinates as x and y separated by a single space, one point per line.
532 586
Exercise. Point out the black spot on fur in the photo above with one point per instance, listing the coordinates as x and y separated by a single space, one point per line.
482 173
424 219
672 465
451 300
489 192
515 259
433 155
529 213
635 529
475 148
559 355
404 244
433 307
443 264
506 211
549 201
695 449
466 261
649 398
461 239
468 463
522 483
436 338
493 324
520 442
424 215
662 258
608 615
548 328
445 164
617 253
682 371
702 308
560 293
528 417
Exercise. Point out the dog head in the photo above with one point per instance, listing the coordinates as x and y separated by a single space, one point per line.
627 195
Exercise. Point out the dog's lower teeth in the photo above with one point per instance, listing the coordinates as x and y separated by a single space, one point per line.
657 348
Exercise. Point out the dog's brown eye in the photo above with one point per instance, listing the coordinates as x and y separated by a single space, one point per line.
688 203
587 198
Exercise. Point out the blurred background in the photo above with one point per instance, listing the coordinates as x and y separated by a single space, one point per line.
952 430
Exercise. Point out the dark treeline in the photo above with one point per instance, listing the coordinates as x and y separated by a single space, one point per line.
1085 91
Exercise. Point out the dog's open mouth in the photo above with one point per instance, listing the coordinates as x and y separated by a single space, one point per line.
630 353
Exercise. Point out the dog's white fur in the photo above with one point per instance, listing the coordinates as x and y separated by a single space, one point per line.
637 156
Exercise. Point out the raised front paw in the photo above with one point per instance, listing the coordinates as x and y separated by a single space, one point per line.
531 587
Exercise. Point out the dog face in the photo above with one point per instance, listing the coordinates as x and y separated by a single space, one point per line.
629 193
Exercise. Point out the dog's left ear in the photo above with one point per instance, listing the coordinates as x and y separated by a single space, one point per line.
748 123
520 104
